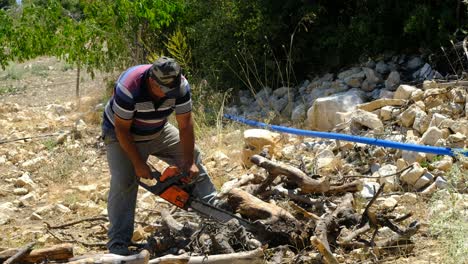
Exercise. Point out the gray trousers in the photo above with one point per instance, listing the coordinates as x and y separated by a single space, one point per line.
124 187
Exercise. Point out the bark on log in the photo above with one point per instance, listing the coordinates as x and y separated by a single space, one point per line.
187 230
21 252
355 186
247 257
306 183
346 241
292 195
324 250
329 221
141 258
253 208
56 253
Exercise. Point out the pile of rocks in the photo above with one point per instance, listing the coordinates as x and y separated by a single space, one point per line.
375 79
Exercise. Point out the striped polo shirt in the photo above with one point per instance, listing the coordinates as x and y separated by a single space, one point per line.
132 100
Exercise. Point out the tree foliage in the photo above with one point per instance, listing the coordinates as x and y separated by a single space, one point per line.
229 42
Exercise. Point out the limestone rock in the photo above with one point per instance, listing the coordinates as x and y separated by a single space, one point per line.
411 175
404 92
424 181
322 115
393 80
379 103
366 119
431 136
256 140
327 162
390 181
369 189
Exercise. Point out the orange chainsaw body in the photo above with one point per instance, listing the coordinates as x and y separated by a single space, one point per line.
174 194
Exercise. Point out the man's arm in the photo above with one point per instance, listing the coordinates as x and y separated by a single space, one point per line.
187 140
122 131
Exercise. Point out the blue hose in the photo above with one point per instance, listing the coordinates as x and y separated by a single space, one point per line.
365 140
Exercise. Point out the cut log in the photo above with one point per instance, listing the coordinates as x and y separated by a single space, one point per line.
21 252
56 253
247 257
187 230
253 208
141 258
306 183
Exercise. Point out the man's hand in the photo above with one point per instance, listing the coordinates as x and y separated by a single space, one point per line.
193 173
143 171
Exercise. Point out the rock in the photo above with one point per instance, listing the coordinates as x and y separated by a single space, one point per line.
379 103
411 175
430 85
407 117
289 151
421 122
255 141
456 140
386 203
438 184
87 188
25 181
404 92
424 181
369 189
431 136
458 95
322 115
382 68
20 191
393 80
414 63
298 113
460 126
388 112
391 183
365 119
35 216
355 80
43 210
437 119
33 164
445 164
408 198
138 234
348 73
326 162
62 208
417 95
6 212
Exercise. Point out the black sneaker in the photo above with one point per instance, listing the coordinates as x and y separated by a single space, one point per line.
122 250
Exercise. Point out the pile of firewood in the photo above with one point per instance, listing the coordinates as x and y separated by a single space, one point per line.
311 216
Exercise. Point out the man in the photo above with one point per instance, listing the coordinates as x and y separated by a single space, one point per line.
134 127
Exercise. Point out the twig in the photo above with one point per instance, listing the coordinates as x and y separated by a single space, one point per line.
21 252
91 219
403 218
365 214
381 176
31 137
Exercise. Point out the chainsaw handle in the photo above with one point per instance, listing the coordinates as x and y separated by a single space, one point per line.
161 186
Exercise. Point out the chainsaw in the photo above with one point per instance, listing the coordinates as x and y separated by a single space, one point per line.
172 187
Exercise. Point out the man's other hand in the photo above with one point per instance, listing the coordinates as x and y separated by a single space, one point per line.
143 171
